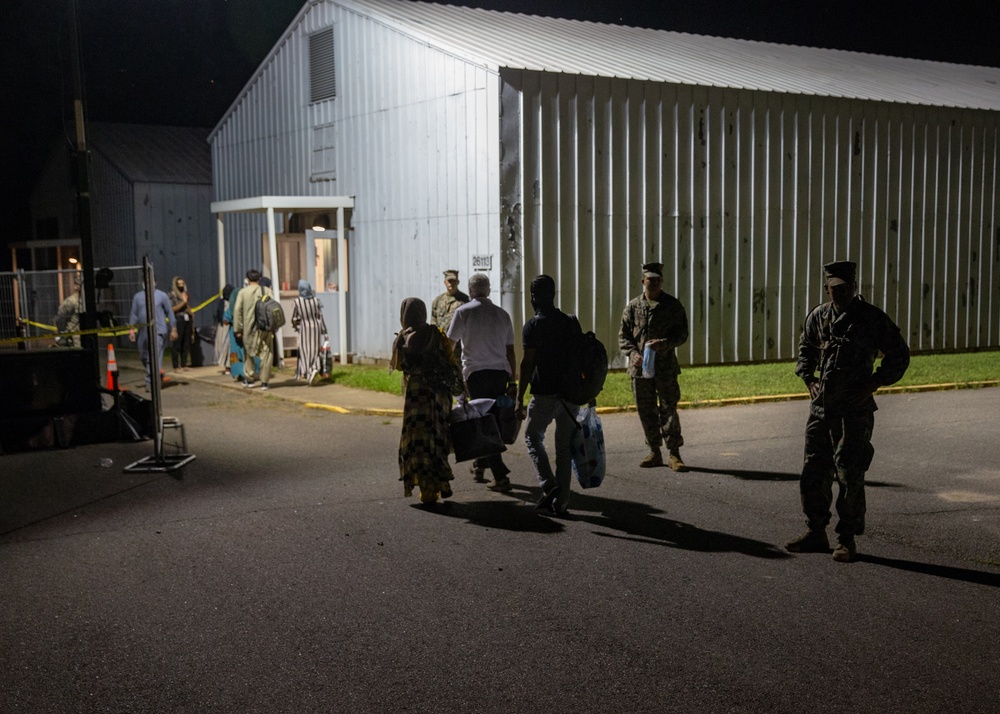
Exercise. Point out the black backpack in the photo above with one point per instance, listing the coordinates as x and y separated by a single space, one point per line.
268 314
586 367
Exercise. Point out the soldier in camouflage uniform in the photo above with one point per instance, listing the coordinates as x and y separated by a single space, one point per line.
68 314
658 320
446 303
841 339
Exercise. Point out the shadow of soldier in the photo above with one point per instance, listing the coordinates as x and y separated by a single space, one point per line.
641 523
751 475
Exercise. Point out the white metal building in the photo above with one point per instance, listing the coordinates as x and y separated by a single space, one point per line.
517 145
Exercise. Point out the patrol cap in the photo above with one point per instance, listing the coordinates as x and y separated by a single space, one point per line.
451 275
840 272
652 269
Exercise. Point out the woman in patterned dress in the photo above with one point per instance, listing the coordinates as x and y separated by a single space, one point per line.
307 320
431 375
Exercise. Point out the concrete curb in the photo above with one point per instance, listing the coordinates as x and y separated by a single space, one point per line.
707 403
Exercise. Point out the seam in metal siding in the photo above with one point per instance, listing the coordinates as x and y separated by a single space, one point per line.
744 196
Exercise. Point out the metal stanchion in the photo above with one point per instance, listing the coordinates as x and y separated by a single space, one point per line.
159 461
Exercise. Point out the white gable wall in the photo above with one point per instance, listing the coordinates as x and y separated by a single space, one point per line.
415 143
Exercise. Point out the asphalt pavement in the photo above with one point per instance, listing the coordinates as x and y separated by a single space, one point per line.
283 570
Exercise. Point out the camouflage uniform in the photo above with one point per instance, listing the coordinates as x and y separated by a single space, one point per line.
655 399
843 346
443 308
68 318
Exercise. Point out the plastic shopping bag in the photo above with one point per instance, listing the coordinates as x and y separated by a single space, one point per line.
589 461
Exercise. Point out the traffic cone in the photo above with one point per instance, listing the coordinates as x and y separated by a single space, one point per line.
112 369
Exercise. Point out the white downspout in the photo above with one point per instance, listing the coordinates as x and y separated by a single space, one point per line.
272 251
342 303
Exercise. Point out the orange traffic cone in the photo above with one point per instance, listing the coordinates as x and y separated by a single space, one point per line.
112 369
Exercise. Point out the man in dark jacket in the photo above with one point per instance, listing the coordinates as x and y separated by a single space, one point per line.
841 339
543 363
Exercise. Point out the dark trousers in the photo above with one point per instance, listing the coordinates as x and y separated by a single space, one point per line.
489 384
181 349
841 449
656 401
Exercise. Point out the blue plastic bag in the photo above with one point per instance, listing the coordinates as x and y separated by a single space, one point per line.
589 461
648 362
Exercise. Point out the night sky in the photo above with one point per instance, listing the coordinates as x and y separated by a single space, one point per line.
183 62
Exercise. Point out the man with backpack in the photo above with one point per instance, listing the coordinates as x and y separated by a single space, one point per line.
256 341
657 321
545 360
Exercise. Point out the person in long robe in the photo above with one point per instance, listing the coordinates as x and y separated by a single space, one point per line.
431 375
307 320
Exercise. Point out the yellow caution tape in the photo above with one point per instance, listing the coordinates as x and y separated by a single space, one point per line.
100 332
207 302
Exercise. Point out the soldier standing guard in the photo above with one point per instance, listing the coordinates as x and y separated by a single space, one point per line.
656 320
444 305
842 339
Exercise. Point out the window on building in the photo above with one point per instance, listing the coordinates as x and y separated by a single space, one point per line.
323 167
322 68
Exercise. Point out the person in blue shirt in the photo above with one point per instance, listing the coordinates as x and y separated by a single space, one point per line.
162 313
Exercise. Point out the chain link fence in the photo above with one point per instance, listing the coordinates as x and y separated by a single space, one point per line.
37 309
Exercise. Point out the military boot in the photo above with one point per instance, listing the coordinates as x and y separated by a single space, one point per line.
654 458
809 542
675 462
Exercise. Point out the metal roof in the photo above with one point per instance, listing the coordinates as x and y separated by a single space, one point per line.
529 42
154 154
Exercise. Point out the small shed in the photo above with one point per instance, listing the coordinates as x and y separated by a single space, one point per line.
515 145
150 194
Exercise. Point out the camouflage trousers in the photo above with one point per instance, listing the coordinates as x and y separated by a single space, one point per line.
837 449
656 401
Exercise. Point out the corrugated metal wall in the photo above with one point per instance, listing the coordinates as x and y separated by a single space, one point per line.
415 143
743 196
174 227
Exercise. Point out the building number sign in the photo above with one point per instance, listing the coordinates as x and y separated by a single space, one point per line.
482 262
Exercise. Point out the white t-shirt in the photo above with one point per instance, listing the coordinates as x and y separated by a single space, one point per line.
485 331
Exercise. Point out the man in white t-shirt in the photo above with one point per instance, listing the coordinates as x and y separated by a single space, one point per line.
486 334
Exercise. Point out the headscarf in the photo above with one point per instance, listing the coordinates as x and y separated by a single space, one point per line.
227 291
416 334
305 290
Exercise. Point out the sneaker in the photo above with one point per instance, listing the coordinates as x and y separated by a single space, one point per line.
846 551
545 502
249 385
501 485
676 463
264 387
809 542
446 491
654 458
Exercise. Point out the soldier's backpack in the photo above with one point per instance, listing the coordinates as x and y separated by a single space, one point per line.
586 367
268 314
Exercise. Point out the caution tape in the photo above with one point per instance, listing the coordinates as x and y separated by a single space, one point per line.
207 302
100 332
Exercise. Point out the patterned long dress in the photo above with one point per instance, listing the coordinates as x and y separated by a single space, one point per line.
424 443
307 319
